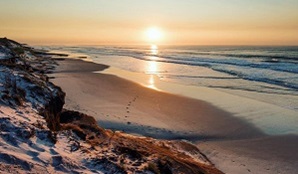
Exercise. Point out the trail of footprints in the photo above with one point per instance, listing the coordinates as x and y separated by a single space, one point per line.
148 128
129 104
127 110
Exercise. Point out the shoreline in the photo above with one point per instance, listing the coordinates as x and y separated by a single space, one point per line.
120 104
264 111
263 115
124 102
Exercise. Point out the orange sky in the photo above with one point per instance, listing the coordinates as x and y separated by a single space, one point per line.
194 22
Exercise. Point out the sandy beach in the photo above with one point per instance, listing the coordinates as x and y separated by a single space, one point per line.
118 104
123 105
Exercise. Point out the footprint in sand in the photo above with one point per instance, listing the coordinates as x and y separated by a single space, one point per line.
32 153
53 152
129 104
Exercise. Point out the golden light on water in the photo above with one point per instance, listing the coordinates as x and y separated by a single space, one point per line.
152 67
154 47
154 50
151 82
152 64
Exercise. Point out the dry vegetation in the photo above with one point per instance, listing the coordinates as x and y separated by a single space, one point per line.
136 154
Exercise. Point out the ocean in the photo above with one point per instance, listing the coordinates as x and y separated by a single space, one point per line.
235 69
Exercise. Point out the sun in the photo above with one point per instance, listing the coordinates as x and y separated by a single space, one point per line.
154 34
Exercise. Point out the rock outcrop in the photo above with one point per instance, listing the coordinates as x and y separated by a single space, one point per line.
25 82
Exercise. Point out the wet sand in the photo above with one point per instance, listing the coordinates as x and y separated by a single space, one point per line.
120 104
269 155
123 105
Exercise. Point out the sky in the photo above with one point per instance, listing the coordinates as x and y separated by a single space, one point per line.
122 22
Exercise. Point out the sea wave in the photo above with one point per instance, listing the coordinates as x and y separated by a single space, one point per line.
271 65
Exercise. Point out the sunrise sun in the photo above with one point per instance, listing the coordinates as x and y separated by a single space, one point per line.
154 34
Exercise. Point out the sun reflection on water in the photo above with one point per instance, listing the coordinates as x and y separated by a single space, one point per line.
152 70
151 82
152 67
154 50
